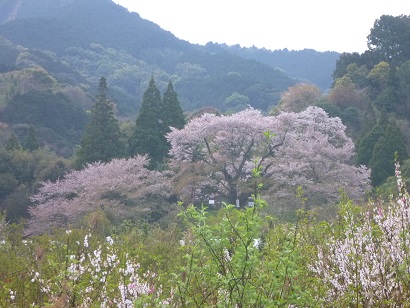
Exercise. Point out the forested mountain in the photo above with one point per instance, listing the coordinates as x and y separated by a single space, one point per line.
306 65
76 49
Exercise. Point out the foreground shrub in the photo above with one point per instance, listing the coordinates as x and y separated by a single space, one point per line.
235 263
77 270
366 262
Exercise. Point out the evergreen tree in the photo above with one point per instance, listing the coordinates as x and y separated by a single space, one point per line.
366 144
382 161
369 119
31 142
13 143
173 115
148 137
102 137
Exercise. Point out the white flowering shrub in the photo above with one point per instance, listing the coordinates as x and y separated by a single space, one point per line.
83 273
366 262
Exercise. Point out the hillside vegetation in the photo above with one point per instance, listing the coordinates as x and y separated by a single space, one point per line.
127 50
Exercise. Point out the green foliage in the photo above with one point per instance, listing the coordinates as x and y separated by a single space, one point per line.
13 143
236 102
127 49
102 137
389 39
377 147
379 76
229 258
382 161
52 110
358 75
235 262
20 173
403 82
58 120
366 145
148 137
387 100
171 113
31 142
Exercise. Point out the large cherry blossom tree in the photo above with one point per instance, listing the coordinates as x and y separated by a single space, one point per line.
121 186
219 155
215 152
317 155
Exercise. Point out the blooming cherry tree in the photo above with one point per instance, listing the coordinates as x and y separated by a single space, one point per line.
308 149
220 148
317 155
99 185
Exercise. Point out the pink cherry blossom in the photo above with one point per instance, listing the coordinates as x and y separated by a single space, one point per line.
67 200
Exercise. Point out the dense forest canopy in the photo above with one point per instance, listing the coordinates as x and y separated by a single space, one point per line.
127 49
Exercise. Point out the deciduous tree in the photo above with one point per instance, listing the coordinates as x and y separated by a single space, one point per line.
389 38
298 97
317 155
119 186
307 148
222 148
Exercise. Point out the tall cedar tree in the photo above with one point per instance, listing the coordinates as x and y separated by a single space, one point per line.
148 137
172 114
368 141
382 161
31 142
102 137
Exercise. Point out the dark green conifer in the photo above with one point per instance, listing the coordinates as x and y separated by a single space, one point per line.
173 116
13 143
148 137
369 119
102 137
367 143
382 161
31 142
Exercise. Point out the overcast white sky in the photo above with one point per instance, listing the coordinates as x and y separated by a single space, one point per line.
322 25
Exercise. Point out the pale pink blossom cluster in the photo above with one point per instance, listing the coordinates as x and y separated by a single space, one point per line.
307 148
317 155
133 286
218 149
65 201
370 261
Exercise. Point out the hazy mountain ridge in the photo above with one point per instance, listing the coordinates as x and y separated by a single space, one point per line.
308 65
132 49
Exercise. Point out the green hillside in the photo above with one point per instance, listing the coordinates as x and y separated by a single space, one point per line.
128 50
